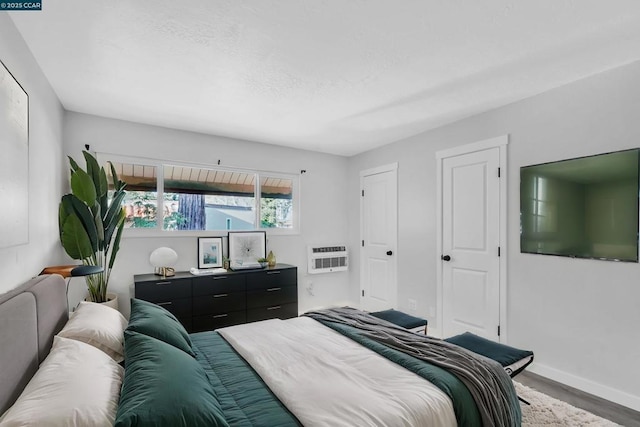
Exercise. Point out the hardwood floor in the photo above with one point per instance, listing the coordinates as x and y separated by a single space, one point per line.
603 408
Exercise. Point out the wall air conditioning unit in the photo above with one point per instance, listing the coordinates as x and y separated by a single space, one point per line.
327 259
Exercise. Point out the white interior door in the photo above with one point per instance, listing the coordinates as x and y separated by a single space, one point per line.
470 243
379 219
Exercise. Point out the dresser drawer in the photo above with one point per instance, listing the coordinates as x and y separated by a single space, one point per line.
272 278
281 311
209 302
216 284
272 296
163 290
221 320
219 303
178 307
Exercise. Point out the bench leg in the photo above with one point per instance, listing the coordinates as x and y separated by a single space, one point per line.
523 401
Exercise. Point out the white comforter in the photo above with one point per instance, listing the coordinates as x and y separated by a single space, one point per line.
326 379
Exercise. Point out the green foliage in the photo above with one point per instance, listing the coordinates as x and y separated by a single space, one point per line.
90 225
173 220
274 211
145 203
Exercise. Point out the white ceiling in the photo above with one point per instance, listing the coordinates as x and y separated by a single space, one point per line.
336 76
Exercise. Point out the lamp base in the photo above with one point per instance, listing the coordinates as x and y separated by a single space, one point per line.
165 271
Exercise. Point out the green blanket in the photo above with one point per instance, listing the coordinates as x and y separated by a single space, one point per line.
245 399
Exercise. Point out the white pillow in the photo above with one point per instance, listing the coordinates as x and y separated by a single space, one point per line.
101 326
76 385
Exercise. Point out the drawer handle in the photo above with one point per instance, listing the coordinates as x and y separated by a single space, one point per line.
165 303
218 316
221 295
220 277
273 289
273 272
163 283
277 307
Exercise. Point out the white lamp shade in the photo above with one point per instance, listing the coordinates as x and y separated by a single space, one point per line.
163 257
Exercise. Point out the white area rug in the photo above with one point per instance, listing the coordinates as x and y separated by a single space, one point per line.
547 411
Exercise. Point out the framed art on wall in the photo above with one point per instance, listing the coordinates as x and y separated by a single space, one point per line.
14 162
247 246
209 252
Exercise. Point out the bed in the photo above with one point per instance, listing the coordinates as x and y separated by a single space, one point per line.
327 368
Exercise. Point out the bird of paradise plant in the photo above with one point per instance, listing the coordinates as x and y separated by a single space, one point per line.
91 221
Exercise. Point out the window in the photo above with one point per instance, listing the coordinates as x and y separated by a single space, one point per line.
276 202
204 197
140 202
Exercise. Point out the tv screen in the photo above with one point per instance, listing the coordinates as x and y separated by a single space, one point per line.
584 208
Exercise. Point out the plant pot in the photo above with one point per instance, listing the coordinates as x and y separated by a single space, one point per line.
112 301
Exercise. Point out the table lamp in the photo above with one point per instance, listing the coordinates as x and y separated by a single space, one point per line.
163 259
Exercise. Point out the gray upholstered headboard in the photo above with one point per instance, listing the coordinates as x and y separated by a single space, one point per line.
30 316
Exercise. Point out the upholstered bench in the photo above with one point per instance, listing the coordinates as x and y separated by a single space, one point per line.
512 359
404 320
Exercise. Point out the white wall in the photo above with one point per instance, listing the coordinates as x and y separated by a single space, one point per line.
46 180
323 198
580 317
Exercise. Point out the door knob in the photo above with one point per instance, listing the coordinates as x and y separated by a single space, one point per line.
445 258
389 253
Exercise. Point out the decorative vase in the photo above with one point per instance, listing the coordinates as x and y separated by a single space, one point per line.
271 259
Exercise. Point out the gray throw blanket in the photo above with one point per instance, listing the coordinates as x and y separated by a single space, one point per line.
489 385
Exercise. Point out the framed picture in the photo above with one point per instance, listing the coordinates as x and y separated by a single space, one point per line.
247 246
209 252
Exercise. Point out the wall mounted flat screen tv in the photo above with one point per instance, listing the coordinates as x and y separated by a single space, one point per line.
582 208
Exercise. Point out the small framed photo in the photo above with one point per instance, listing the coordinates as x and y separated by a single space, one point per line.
209 252
247 246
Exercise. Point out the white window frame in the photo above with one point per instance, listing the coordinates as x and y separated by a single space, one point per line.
159 231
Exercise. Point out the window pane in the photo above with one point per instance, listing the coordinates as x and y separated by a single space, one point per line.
276 202
140 202
207 199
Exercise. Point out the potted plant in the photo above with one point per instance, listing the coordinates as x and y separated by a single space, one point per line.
91 222
263 262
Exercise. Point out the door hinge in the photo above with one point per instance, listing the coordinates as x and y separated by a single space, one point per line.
498 172
498 330
363 243
498 250
363 292
362 193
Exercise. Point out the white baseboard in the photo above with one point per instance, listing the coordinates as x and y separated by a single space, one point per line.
588 386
